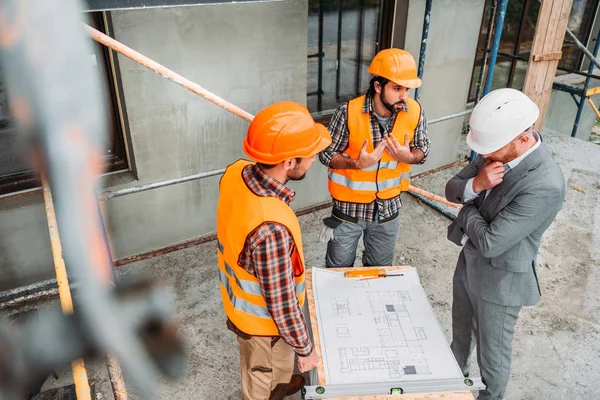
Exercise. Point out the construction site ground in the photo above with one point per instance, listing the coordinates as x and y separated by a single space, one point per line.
556 345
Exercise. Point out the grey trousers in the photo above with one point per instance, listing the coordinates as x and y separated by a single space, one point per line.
491 327
379 240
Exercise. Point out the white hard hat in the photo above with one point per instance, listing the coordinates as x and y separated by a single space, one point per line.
499 117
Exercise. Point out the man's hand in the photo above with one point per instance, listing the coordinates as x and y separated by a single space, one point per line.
308 363
400 153
490 175
366 159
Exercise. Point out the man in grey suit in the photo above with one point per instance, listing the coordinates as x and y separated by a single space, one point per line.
511 193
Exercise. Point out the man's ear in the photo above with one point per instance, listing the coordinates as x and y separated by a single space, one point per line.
289 164
377 86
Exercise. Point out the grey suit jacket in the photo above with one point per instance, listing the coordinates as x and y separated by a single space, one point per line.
505 229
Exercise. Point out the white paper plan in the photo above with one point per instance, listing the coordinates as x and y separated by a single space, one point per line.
379 330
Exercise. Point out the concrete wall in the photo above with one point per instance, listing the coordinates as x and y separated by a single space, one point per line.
451 47
239 52
252 54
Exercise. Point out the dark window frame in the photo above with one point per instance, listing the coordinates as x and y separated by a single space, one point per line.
384 31
118 158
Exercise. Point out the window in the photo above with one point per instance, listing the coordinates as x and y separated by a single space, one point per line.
517 37
16 171
343 37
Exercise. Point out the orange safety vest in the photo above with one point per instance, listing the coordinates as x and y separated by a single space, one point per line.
387 178
239 213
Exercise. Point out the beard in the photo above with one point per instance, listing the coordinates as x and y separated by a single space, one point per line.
295 175
510 155
393 108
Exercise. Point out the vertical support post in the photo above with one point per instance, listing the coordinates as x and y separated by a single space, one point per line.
424 37
359 42
586 85
545 53
486 50
320 73
379 31
500 14
80 378
338 65
115 373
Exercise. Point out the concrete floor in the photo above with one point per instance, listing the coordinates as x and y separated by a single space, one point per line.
556 352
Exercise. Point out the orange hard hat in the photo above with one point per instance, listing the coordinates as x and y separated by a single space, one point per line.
282 131
396 65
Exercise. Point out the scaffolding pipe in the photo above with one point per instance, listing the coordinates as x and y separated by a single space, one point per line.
80 378
338 65
451 116
433 206
584 49
424 38
166 73
155 185
432 196
21 291
500 14
586 86
15 302
320 60
488 39
115 375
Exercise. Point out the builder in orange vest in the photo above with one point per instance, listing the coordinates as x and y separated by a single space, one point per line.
376 139
260 250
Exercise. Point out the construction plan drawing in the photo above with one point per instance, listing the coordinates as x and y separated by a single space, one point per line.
379 330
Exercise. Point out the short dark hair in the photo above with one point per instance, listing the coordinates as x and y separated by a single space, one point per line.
265 166
382 82
271 166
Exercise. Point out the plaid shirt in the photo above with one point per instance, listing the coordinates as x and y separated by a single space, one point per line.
338 126
267 255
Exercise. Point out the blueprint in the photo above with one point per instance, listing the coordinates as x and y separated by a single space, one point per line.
379 330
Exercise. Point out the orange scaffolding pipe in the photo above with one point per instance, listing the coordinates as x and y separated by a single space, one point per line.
166 72
432 196
80 378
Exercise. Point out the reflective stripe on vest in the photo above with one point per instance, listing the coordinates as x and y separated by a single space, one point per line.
370 186
241 304
247 286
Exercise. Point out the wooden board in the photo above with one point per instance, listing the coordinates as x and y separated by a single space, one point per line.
547 40
317 345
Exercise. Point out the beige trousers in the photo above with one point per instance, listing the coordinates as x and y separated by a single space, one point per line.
267 366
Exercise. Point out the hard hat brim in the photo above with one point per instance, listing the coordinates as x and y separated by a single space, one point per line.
410 83
477 148
323 141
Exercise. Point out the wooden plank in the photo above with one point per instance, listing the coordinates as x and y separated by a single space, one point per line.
593 91
557 55
593 107
317 347
548 39
558 40
535 70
